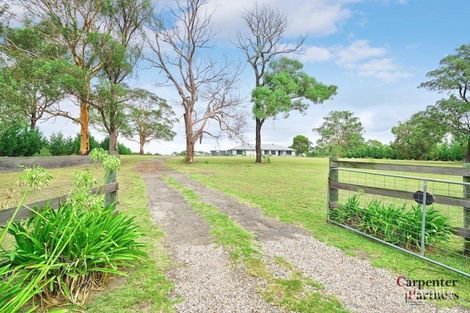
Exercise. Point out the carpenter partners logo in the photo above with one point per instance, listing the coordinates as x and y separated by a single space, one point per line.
420 291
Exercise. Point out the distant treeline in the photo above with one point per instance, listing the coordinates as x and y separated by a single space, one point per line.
445 151
18 139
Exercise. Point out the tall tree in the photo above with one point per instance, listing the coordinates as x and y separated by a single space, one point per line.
301 144
149 118
119 57
206 90
82 28
339 132
264 42
416 137
287 88
35 75
452 77
453 113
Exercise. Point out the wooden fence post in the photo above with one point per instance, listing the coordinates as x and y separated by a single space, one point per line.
332 177
110 198
466 211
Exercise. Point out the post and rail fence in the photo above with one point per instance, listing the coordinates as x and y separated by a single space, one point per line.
374 180
15 164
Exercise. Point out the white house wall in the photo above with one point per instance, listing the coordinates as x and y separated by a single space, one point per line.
252 153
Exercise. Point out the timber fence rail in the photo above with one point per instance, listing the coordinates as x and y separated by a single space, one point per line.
13 164
380 181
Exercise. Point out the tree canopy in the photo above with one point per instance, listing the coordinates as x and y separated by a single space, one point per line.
416 137
286 88
149 118
452 114
35 75
301 144
340 131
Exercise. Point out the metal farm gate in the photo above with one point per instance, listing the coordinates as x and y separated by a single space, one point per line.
443 194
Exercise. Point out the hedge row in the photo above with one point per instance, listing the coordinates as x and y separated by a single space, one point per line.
18 139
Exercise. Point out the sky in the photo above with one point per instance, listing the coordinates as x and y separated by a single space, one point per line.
375 51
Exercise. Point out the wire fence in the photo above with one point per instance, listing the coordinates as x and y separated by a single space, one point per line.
428 217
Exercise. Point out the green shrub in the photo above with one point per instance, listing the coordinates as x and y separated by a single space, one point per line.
92 143
60 255
61 145
398 225
101 241
122 149
44 152
17 139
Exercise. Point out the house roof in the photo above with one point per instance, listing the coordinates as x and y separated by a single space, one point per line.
263 147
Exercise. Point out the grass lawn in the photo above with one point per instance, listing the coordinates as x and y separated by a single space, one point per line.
294 190
60 185
146 288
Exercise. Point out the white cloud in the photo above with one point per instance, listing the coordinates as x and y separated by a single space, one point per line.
316 54
360 57
312 17
384 69
358 50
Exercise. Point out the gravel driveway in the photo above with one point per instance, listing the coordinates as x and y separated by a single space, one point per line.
205 280
354 281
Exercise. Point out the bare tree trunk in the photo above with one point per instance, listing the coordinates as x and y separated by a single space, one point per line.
32 121
189 137
84 121
189 152
259 123
113 144
141 150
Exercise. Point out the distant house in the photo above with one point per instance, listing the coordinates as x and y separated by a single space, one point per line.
218 152
267 149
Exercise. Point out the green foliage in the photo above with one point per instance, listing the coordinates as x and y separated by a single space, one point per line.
44 152
149 118
80 195
340 132
17 139
452 77
35 177
453 151
103 242
443 151
109 162
301 144
36 75
417 137
122 149
62 254
398 225
453 73
285 88
58 144
17 288
372 149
